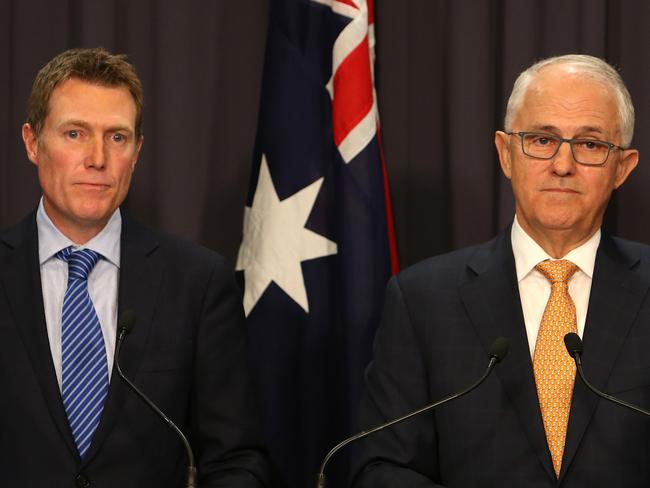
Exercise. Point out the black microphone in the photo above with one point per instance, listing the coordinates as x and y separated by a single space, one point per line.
498 351
574 348
124 326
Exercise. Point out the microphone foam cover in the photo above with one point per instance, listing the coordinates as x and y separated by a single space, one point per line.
573 343
499 348
126 321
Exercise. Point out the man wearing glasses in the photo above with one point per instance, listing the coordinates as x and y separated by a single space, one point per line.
565 148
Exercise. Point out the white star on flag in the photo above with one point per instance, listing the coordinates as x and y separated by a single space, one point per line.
276 241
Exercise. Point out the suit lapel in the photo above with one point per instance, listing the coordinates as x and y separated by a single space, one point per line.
21 280
616 295
493 304
140 275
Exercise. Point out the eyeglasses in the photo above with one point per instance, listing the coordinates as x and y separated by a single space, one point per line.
591 152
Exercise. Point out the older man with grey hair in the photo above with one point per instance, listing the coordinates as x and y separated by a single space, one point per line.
565 149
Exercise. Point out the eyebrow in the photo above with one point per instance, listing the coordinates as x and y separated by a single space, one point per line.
580 130
86 125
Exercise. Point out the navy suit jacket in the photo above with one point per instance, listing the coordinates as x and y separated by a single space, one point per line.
439 321
187 351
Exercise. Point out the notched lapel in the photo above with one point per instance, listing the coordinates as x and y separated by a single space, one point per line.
617 292
21 282
494 307
141 270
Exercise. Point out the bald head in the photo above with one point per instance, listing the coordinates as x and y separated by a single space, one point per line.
574 66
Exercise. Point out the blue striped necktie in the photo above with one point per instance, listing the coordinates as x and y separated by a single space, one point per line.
83 355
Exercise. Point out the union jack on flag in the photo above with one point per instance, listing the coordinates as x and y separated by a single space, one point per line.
318 244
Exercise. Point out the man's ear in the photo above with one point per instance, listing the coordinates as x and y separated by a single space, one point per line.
138 146
31 142
625 166
501 141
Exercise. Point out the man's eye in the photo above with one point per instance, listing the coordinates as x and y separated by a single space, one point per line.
590 144
73 134
542 141
118 137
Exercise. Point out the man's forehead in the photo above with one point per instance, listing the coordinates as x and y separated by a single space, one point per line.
76 99
81 85
562 99
565 80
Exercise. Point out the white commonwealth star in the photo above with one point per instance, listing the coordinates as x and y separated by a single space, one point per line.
276 241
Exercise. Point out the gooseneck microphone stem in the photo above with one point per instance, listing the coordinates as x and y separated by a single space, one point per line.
191 468
494 359
576 356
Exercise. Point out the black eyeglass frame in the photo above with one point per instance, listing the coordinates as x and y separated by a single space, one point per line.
562 140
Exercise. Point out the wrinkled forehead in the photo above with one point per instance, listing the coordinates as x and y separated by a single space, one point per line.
563 97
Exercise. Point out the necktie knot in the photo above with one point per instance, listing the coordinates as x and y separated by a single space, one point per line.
558 271
80 262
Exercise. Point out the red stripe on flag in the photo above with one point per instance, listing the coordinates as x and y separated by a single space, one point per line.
390 221
371 12
353 97
349 2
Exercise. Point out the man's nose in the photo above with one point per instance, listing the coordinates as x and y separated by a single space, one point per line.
563 162
96 156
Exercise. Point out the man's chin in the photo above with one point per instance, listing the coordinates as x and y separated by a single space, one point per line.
93 217
560 223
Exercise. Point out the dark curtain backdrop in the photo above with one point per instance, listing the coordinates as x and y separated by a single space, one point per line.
444 69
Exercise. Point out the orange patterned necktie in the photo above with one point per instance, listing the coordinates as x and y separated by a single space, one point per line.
554 369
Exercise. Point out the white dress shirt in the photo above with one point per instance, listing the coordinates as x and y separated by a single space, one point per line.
535 289
102 281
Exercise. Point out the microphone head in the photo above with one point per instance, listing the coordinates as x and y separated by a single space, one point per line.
126 321
573 344
499 348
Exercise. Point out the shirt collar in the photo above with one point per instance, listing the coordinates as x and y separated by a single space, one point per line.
51 240
529 254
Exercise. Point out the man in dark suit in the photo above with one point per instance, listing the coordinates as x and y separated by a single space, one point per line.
569 125
70 269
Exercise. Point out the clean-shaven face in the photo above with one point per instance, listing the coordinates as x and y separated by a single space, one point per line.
560 194
85 154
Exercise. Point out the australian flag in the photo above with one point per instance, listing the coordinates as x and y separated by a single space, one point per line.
318 245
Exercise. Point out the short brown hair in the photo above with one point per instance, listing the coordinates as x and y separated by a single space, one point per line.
95 65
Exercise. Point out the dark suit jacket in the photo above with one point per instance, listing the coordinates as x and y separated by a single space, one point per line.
439 321
187 351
